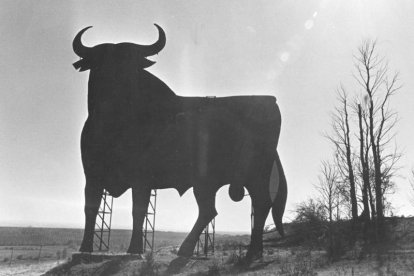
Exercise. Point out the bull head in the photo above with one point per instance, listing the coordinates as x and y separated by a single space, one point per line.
91 57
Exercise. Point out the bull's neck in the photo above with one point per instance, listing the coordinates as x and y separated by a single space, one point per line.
119 93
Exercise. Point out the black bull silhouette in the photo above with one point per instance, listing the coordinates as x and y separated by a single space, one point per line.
139 134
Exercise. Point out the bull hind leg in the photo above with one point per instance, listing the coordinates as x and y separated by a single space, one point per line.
140 200
261 204
92 201
278 207
261 207
206 212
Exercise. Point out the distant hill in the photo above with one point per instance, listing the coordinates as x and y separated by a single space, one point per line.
34 236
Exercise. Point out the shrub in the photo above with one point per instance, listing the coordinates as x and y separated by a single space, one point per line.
336 242
237 258
149 267
310 224
302 265
214 269
174 250
233 258
228 245
64 253
312 229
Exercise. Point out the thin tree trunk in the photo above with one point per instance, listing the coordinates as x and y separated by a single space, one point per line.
354 205
365 171
377 173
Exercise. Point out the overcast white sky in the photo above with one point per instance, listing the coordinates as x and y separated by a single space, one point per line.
298 51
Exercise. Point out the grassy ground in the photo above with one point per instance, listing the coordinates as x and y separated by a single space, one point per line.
274 262
31 260
28 268
280 258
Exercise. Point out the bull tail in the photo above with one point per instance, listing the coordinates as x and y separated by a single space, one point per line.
279 202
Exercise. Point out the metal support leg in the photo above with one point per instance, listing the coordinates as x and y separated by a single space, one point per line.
206 242
103 223
149 223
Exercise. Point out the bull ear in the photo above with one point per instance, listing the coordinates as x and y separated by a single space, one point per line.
82 65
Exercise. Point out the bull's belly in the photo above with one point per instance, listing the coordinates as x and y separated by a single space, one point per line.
158 170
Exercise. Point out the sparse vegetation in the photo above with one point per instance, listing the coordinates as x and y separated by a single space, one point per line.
174 250
214 269
303 258
302 264
309 225
149 267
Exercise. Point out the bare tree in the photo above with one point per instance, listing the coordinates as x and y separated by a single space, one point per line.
341 138
411 181
328 188
364 147
363 134
372 73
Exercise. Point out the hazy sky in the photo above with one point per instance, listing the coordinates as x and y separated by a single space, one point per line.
299 51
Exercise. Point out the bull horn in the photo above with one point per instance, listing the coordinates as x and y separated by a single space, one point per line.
155 48
78 47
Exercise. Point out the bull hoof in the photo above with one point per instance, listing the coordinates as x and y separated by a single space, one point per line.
134 250
86 249
252 256
185 251
177 264
279 227
136 256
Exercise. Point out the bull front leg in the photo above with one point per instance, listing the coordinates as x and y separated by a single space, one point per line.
93 197
206 212
140 200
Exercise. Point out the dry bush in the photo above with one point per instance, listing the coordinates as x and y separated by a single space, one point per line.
312 229
302 265
149 267
236 258
310 224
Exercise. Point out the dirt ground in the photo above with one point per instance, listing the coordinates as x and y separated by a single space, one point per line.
27 268
274 262
279 258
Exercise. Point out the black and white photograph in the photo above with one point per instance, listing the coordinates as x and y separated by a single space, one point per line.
269 137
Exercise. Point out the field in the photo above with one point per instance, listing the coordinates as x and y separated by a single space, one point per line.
34 251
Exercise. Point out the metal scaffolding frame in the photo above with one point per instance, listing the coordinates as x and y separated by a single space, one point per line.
205 244
102 230
251 218
206 241
148 234
103 223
